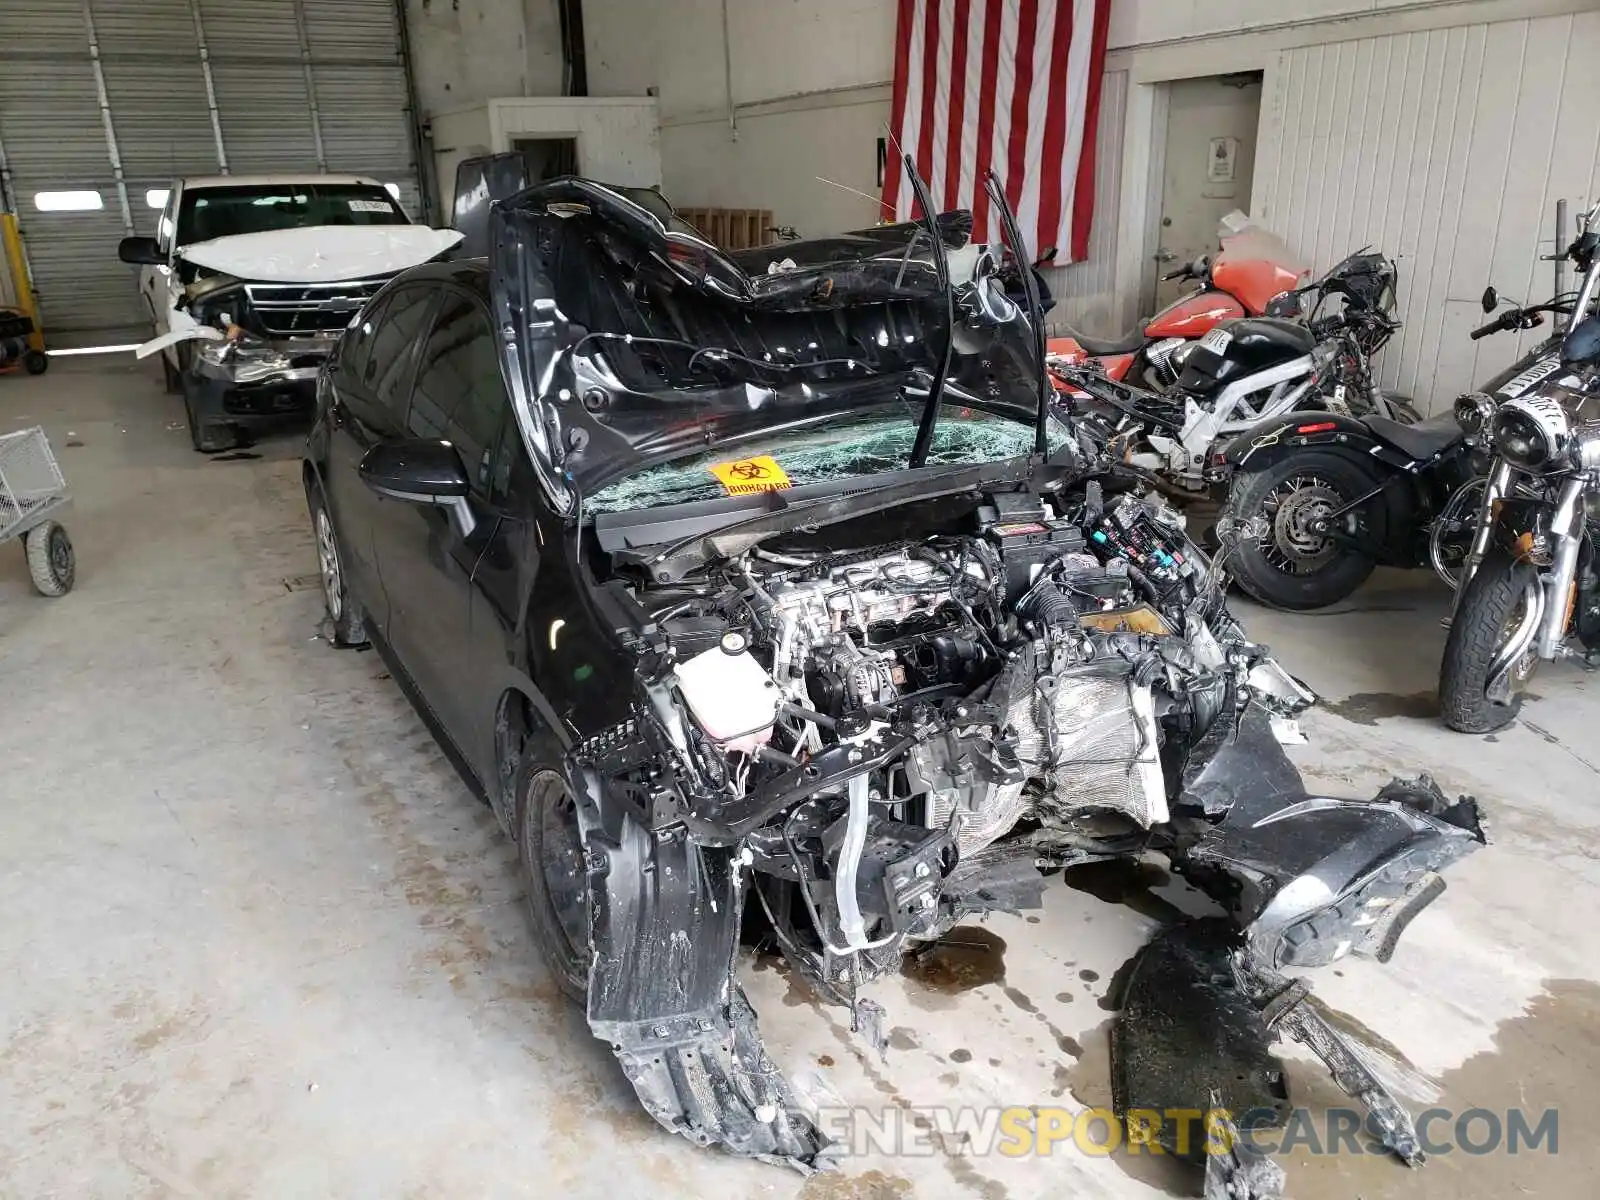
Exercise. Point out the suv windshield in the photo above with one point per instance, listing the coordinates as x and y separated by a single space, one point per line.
858 445
216 212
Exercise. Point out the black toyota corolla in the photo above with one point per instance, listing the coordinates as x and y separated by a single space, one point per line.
764 585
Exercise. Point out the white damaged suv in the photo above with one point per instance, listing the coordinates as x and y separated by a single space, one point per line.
249 280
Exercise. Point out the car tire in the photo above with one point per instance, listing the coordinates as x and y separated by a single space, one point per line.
554 875
1268 568
344 613
51 561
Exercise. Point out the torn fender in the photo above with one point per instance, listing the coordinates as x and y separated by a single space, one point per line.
665 929
321 253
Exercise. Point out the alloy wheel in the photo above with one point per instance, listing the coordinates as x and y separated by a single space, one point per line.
328 559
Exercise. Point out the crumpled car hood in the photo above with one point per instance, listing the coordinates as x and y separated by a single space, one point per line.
321 253
636 339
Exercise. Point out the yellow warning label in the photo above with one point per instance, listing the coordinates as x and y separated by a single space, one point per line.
746 475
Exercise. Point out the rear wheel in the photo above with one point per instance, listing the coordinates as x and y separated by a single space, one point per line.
1482 678
1298 563
35 362
555 876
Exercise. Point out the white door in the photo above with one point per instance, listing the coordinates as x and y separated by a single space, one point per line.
1210 160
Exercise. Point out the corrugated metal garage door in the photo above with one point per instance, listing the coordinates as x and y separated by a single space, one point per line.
118 97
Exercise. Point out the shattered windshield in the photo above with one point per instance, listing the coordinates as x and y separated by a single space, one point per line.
858 445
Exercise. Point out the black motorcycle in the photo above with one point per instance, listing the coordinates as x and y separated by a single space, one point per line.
1336 496
1531 590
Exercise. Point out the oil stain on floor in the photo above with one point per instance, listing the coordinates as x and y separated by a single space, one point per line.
1368 708
967 957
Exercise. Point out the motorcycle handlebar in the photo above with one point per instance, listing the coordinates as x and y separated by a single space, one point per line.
1515 318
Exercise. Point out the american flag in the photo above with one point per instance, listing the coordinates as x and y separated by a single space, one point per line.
1011 86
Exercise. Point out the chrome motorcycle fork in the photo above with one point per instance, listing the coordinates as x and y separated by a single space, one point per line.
1494 490
1566 531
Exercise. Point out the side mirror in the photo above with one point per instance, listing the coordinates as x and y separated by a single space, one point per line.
1581 347
1491 299
422 471
141 251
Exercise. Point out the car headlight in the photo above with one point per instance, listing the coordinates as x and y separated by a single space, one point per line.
1473 411
1522 439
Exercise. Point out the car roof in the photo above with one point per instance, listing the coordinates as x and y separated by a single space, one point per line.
292 179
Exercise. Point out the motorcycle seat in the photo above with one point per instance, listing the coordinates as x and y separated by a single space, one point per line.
1125 343
1422 440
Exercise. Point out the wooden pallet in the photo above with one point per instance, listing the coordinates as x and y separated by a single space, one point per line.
732 228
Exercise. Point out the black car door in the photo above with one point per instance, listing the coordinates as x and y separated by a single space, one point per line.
369 384
428 566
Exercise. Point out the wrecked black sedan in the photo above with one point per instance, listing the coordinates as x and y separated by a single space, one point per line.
762 590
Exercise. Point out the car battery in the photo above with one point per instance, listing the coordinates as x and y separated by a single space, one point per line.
1028 546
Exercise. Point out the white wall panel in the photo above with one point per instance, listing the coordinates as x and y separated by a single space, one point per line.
466 53
1447 149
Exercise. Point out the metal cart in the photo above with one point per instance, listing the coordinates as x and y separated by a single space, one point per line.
32 492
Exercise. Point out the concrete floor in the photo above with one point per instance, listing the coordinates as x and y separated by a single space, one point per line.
261 942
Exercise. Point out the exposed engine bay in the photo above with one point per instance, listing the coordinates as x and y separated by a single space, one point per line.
960 650
869 742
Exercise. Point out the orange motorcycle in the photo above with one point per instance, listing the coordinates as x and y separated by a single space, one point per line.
1251 270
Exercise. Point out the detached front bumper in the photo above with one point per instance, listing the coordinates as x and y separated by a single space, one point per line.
1313 878
246 385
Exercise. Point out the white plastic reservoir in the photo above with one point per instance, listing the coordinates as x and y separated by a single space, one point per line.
730 696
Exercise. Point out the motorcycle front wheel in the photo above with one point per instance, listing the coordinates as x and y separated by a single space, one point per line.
1500 602
1293 564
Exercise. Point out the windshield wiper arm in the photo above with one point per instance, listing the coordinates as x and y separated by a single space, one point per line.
941 267
1030 288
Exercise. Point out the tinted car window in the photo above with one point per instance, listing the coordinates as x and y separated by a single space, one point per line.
356 346
215 212
394 343
459 396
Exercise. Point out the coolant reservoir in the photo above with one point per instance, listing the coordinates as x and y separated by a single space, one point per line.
729 695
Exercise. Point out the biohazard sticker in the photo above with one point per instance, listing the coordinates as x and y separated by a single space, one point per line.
744 476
